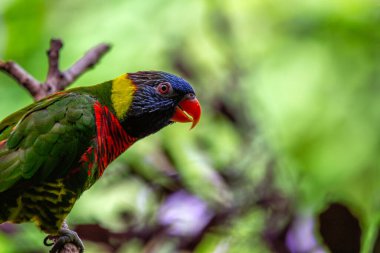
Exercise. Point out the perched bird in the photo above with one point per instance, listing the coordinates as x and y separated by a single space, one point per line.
54 149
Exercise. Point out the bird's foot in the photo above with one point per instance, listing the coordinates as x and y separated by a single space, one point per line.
64 236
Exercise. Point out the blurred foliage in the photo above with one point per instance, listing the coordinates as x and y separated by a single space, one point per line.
291 112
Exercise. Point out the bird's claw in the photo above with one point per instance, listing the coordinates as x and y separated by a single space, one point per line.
64 236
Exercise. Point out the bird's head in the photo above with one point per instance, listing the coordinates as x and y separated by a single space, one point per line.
147 101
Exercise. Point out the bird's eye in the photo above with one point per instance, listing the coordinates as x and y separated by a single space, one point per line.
164 88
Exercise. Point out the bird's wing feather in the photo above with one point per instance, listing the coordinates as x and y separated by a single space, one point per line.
45 139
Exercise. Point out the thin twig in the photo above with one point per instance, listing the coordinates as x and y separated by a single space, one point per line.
55 80
53 57
21 76
82 65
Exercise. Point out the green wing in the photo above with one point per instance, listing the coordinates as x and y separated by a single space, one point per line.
45 139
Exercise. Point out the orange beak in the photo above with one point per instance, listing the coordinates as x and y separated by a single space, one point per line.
187 110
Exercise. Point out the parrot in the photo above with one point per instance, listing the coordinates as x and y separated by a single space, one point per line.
56 148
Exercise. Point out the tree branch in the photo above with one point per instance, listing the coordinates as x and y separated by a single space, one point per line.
82 65
53 57
55 80
21 76
69 248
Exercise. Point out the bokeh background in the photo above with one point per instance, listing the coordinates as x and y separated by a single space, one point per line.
286 156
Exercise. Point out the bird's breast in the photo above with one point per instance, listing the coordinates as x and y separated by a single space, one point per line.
111 139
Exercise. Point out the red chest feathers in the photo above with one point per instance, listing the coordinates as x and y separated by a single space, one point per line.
111 139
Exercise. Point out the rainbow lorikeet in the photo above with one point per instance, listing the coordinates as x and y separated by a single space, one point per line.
54 149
